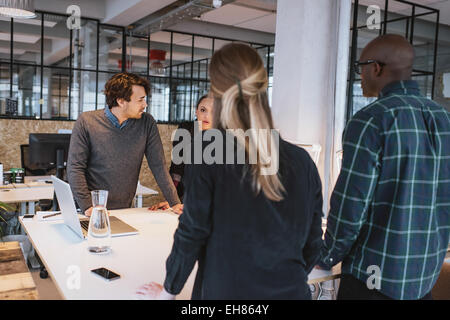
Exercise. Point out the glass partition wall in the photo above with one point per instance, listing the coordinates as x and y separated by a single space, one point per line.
396 17
49 71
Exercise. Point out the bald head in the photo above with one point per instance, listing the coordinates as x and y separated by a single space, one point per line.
396 57
393 50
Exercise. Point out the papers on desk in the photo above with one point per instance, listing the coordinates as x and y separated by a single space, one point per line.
39 184
26 185
19 185
41 215
29 179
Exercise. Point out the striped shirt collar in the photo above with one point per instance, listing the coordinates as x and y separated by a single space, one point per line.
115 122
405 87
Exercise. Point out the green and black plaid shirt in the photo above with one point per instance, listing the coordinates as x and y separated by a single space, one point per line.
391 204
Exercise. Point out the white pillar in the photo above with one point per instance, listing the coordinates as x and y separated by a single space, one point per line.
310 76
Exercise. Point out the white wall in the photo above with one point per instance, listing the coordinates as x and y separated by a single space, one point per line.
310 76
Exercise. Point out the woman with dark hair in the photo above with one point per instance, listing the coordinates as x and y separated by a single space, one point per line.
255 232
203 113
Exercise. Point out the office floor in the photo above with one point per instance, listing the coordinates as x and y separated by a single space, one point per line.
45 287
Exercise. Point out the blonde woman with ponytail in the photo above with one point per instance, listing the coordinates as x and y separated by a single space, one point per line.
255 232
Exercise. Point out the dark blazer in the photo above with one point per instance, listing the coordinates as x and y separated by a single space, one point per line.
247 246
179 168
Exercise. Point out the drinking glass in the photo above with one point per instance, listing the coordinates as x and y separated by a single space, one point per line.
99 231
99 198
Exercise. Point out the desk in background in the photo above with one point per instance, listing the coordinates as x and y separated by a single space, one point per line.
35 189
40 181
25 194
37 180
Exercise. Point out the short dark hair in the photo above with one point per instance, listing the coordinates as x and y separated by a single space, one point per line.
120 86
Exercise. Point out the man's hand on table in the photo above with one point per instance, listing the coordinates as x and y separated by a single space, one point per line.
153 291
178 208
88 212
160 206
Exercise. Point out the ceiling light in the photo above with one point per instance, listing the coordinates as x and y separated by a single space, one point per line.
18 9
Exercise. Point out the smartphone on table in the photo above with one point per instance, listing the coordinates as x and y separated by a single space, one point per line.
106 274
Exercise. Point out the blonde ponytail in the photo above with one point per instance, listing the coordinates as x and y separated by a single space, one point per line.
244 105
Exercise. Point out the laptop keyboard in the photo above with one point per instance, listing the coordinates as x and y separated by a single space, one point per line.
85 224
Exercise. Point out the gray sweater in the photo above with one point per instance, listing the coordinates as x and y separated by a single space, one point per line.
103 157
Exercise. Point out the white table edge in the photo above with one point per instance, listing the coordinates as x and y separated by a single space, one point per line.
42 260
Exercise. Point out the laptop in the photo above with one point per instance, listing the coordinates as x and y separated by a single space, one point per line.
81 225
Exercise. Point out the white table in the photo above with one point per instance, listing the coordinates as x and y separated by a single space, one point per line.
317 276
139 259
26 194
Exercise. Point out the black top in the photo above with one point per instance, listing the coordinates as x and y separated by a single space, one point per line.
179 168
247 246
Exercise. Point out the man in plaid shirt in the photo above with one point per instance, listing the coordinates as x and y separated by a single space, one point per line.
390 209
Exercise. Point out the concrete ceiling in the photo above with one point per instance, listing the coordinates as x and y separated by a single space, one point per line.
124 13
256 15
116 12
236 15
244 20
424 26
405 9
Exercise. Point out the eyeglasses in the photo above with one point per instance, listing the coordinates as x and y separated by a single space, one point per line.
358 64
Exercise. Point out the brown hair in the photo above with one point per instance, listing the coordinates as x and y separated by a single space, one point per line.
199 101
239 87
120 86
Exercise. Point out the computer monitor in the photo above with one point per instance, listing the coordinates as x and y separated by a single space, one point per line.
49 150
45 148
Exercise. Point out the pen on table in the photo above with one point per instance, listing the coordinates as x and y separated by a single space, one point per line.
51 215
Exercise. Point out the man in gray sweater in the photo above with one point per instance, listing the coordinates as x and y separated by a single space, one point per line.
107 147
